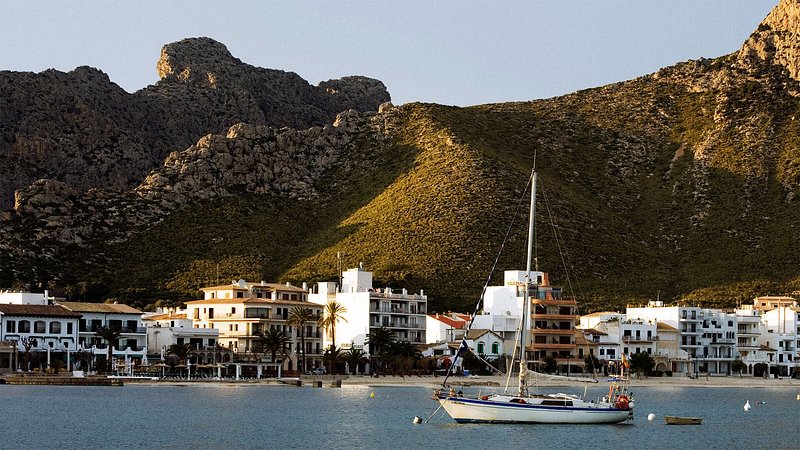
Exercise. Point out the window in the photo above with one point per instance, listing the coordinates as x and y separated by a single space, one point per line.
240 294
480 348
495 348
40 327
197 314
11 326
24 326
55 327
233 310
69 327
210 313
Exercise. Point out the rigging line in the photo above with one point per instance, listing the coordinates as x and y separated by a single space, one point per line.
558 240
500 252
479 304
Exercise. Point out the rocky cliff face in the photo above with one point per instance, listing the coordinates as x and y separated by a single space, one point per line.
81 129
774 44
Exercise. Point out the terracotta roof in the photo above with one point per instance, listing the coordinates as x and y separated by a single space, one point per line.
594 331
165 317
580 339
109 308
455 323
37 311
478 332
601 313
250 301
665 327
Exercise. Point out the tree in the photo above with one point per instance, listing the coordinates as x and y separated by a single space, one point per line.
182 352
641 362
591 363
273 341
299 316
549 364
377 340
402 355
354 358
738 366
110 335
332 314
332 356
27 344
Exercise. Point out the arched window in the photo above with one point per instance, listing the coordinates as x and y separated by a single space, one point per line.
480 348
24 326
55 327
40 327
495 348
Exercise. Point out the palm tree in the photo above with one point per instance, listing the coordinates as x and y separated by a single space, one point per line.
110 335
274 341
378 340
299 316
355 357
332 314
182 352
332 356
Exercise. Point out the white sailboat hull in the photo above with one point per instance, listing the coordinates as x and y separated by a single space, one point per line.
469 410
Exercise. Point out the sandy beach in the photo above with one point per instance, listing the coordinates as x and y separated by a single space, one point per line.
497 381
490 381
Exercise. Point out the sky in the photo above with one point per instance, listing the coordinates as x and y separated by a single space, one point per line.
449 52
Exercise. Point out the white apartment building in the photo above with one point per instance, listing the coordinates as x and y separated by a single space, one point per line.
174 327
370 308
130 348
242 311
41 334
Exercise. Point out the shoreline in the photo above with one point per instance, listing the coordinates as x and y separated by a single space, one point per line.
327 381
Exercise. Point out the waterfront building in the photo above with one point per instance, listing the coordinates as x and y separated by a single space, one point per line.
552 320
370 308
486 343
130 348
447 327
41 333
243 311
780 339
165 329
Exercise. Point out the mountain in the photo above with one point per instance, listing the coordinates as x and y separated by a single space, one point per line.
84 130
681 184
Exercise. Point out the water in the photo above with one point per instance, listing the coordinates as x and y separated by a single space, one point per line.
265 416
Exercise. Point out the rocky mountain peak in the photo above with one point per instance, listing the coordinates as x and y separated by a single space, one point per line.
195 60
776 41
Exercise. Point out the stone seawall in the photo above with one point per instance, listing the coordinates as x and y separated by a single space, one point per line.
45 380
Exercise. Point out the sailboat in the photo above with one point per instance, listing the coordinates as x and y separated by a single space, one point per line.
523 407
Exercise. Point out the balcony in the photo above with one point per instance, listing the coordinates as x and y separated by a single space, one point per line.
536 316
552 302
639 340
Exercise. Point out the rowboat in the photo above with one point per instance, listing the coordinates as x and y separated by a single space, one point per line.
675 420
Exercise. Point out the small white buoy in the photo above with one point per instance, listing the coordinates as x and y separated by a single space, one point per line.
651 417
798 396
747 406
417 419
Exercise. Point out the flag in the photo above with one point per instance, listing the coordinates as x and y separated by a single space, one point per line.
463 348
625 362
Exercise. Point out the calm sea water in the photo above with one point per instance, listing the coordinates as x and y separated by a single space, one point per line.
255 416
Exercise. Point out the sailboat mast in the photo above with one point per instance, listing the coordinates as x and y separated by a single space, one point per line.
526 302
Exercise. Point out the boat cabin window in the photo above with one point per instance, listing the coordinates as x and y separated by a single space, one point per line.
556 402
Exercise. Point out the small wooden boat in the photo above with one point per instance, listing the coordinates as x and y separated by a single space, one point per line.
675 420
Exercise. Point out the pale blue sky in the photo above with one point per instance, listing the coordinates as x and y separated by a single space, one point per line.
448 52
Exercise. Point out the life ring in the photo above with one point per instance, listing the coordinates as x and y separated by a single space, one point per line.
485 397
622 402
